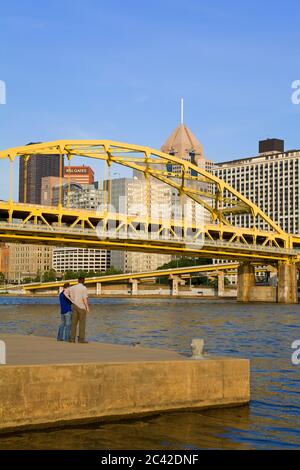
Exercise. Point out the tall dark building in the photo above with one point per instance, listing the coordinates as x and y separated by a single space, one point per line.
38 166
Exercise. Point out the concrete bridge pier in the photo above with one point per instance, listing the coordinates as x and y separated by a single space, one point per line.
99 288
134 286
246 281
286 291
287 288
176 282
221 284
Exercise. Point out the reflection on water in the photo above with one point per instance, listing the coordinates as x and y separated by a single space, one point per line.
263 333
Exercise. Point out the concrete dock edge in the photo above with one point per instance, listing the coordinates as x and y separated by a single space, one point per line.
51 395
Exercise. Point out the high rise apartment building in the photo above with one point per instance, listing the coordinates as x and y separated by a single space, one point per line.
270 180
27 261
80 259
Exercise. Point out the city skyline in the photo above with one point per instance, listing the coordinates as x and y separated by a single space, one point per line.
237 84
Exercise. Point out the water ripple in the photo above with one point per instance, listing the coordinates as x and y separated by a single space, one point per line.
264 333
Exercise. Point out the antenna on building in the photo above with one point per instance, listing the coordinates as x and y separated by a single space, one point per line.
182 109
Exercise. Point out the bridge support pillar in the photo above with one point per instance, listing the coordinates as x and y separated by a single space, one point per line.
287 289
246 280
176 282
175 285
98 288
134 286
221 284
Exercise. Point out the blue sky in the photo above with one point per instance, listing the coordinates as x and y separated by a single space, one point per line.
117 69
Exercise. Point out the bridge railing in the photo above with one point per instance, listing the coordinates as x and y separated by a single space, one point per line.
142 235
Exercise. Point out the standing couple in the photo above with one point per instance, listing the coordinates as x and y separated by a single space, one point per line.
74 306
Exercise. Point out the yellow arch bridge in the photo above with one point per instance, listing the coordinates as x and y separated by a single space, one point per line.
213 235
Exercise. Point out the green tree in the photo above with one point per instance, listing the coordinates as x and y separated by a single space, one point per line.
182 263
111 271
87 274
201 281
28 280
214 282
2 278
49 276
39 277
70 275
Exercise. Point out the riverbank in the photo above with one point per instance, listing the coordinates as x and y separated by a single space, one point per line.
49 384
94 296
134 290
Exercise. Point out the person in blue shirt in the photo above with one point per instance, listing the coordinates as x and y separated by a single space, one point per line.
66 314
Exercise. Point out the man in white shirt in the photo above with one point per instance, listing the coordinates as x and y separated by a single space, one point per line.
79 297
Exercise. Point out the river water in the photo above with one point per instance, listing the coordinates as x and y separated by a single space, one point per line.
262 332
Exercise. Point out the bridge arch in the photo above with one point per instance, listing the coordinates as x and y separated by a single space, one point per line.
217 197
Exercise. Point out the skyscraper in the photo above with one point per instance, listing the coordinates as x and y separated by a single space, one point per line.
28 260
182 143
38 166
270 180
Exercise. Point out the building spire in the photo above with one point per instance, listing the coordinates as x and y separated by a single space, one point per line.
182 110
182 142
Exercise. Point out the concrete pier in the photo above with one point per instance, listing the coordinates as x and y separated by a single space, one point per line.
134 286
98 288
176 282
221 284
246 282
48 383
287 283
286 291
